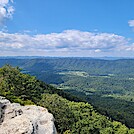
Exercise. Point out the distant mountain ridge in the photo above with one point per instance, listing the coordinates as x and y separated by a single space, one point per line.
49 57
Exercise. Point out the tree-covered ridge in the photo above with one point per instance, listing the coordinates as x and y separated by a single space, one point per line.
17 86
70 117
24 88
80 118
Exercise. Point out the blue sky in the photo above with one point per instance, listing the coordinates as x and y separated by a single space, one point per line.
91 28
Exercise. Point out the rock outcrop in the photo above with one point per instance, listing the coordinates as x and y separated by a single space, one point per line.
17 119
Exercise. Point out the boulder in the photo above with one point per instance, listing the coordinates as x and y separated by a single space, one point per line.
17 119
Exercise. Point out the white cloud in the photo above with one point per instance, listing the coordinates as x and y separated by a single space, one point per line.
131 23
4 2
69 41
130 47
6 10
97 50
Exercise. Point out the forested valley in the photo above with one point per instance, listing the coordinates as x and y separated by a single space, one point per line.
91 95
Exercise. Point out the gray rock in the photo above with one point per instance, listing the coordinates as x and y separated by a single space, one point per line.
17 119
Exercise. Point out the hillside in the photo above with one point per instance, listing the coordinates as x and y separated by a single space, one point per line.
106 84
71 117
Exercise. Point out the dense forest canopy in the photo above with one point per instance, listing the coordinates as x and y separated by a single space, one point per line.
70 117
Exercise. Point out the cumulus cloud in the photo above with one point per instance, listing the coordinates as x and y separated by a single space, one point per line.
6 10
66 41
130 47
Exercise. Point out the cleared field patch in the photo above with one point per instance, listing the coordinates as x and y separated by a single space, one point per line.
76 73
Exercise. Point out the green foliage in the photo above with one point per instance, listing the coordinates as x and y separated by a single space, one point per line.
60 109
20 87
70 117
79 118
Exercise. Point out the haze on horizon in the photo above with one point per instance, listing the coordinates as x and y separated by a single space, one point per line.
90 28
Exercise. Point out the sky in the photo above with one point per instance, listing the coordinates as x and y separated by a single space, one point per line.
68 28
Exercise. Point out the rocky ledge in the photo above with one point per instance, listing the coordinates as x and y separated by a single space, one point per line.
17 119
